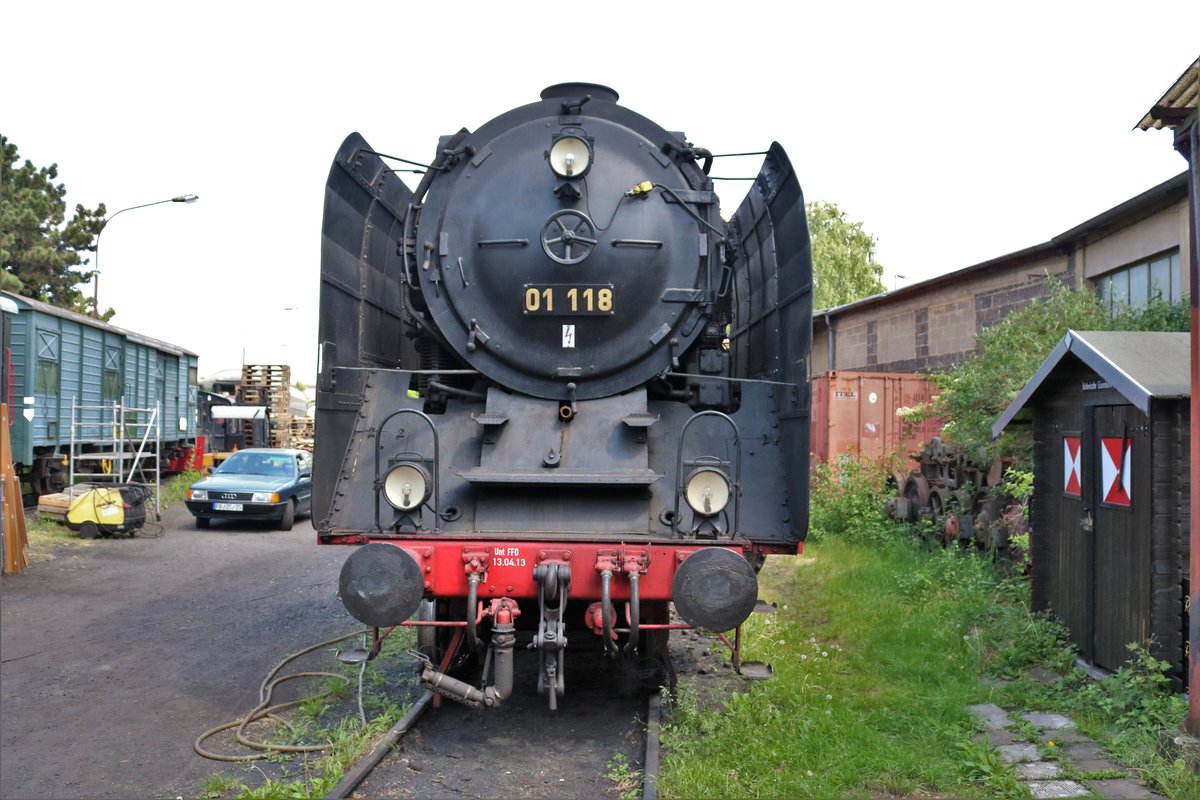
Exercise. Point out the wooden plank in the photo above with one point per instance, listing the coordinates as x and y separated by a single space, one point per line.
16 538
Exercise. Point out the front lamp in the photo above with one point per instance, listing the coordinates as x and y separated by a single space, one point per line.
570 157
406 486
707 491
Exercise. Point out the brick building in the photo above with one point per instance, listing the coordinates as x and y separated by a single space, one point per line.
1128 254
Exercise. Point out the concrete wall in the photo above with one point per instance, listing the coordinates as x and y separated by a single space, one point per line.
934 324
929 329
1167 230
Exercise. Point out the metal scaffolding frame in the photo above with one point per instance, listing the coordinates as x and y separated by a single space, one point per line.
133 442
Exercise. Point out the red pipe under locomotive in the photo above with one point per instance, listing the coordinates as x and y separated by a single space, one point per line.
557 391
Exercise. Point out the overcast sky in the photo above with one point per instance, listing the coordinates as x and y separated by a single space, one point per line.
956 132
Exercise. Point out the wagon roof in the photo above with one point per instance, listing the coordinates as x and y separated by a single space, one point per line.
1139 365
83 319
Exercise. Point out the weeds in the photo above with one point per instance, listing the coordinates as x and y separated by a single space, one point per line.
627 782
175 490
878 647
983 766
217 785
846 501
328 715
47 536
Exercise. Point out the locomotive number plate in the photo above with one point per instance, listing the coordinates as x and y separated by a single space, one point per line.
568 299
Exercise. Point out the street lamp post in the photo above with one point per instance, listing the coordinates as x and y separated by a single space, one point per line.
183 198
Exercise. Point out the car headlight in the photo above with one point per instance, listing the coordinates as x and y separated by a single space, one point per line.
406 486
707 491
197 494
265 497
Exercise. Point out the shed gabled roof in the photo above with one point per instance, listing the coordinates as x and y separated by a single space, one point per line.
1180 101
1139 365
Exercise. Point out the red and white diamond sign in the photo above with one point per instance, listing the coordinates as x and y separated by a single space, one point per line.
1071 466
1116 493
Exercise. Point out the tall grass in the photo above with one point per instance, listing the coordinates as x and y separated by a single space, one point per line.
872 680
879 646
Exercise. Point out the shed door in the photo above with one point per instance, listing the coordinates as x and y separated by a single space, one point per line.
1120 483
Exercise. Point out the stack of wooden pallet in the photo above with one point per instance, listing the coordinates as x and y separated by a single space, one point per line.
302 433
269 385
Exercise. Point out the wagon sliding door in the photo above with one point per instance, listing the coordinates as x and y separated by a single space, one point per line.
1120 487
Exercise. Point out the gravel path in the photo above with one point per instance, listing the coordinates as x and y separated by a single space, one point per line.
113 658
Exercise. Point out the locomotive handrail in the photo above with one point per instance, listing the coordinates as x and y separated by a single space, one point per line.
437 483
681 480
730 380
413 372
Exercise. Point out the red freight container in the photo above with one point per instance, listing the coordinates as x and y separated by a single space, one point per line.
855 412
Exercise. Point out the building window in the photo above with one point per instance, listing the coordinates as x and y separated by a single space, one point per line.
112 373
47 370
1156 278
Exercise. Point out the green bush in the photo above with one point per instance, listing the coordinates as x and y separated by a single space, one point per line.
847 500
975 393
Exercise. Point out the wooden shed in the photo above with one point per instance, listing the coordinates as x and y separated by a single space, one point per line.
1110 513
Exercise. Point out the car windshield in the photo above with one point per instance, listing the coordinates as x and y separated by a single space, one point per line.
248 463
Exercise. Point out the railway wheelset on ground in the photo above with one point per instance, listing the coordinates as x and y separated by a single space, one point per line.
962 497
557 391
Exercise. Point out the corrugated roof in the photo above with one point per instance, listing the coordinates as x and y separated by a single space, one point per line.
91 322
1147 203
1139 365
1178 103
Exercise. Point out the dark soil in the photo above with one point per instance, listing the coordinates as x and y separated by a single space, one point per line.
524 750
114 658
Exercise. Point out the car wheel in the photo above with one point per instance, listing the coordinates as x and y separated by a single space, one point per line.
203 522
289 516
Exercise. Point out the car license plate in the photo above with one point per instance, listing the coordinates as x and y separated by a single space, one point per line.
227 506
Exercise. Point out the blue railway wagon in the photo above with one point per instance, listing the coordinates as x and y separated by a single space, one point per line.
57 356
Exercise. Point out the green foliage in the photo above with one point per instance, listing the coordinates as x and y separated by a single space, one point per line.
217 785
847 500
39 246
976 392
1138 695
173 491
844 265
627 782
49 538
989 612
982 765
877 647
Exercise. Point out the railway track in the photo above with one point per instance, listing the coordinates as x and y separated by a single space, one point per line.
600 743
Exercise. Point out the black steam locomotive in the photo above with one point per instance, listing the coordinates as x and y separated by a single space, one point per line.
555 385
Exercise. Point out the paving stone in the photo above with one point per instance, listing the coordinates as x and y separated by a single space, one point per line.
1051 789
1088 757
1038 770
1049 722
1042 675
1016 753
996 683
1064 737
993 716
995 737
1122 789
